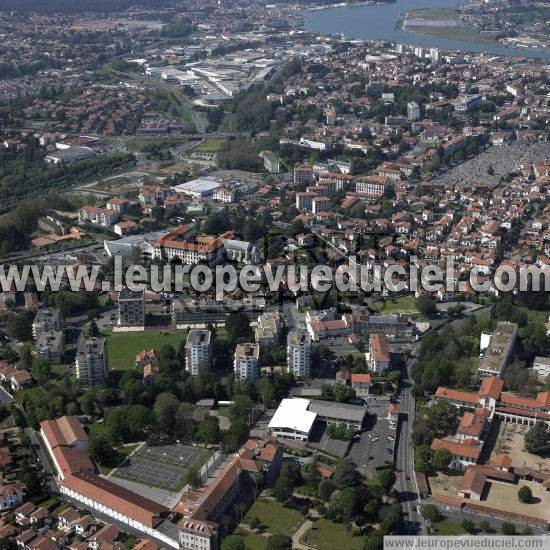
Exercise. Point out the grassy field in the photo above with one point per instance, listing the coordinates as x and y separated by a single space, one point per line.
274 517
433 14
401 304
140 144
327 535
124 346
210 145
459 32
252 541
447 527
451 33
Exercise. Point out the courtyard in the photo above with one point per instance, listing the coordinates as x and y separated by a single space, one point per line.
510 441
499 495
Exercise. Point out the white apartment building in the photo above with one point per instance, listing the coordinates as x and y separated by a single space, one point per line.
198 351
370 186
320 204
246 362
92 363
413 110
298 353
47 320
304 201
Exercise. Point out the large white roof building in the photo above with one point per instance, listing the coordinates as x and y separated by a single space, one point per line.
293 419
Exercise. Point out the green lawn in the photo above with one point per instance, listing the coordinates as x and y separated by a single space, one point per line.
224 411
141 144
447 527
327 535
210 145
306 490
124 346
433 13
252 541
274 517
401 304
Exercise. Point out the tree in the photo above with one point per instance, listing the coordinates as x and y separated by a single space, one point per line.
138 419
20 326
392 520
345 474
537 439
441 459
279 542
254 522
425 304
266 389
101 448
209 430
166 406
374 541
93 331
485 526
325 489
468 526
431 512
193 478
41 370
310 475
237 326
525 494
87 403
423 458
31 481
345 503
386 478
233 542
508 528
283 489
342 393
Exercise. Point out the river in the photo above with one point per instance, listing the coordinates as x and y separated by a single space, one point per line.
377 22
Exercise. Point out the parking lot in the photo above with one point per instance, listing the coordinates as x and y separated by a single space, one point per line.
164 466
375 446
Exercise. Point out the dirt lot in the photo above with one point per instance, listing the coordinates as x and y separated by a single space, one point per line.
510 442
444 484
504 496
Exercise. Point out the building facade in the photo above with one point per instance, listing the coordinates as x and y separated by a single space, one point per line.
198 351
298 354
92 364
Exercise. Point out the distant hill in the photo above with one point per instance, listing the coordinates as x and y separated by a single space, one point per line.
70 6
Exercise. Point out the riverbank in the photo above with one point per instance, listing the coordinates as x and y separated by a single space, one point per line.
441 23
381 22
348 5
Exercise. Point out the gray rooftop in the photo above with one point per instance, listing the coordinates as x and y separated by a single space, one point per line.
343 411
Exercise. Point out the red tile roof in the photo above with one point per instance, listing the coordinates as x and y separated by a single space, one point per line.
491 386
457 395
472 482
360 378
116 497
456 449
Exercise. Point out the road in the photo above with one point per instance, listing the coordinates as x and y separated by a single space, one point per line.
5 398
404 459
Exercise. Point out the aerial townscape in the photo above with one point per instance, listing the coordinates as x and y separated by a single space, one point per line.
273 276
